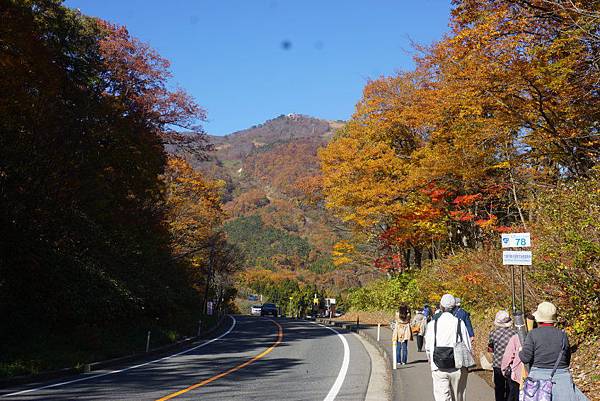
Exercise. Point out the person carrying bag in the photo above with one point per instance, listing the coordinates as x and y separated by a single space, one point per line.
541 389
547 351
457 356
448 349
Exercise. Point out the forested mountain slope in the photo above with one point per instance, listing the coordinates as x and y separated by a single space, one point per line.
273 198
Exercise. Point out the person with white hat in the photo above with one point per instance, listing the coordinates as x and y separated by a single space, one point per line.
498 340
548 352
449 383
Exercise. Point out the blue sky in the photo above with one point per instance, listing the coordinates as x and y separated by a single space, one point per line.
246 61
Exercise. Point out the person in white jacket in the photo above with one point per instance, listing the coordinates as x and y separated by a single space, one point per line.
448 384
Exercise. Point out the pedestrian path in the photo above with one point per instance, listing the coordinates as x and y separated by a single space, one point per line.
413 381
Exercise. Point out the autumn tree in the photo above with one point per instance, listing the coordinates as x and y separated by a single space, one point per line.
193 204
447 154
85 110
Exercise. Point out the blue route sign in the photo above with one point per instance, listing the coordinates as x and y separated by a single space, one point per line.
516 240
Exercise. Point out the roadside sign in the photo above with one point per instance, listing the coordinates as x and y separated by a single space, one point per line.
516 240
209 308
521 258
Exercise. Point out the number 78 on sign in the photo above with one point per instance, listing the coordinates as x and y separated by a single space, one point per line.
516 240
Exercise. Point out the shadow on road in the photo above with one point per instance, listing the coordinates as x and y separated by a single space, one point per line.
250 337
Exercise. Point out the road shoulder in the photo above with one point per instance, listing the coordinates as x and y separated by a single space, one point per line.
379 388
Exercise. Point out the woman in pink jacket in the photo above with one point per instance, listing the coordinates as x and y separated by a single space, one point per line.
511 361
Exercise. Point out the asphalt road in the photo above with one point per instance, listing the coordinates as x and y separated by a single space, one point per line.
252 359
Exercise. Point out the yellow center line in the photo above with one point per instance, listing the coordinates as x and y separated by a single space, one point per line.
234 369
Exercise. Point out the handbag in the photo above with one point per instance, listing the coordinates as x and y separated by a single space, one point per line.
541 389
507 373
443 357
463 358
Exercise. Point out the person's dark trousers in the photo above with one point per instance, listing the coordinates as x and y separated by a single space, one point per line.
513 391
501 388
419 343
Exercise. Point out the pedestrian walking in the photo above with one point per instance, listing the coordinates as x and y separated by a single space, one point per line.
402 334
548 352
465 316
512 367
418 325
441 337
497 343
427 312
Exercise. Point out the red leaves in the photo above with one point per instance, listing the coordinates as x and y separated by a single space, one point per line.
389 264
466 200
503 229
137 75
460 215
437 194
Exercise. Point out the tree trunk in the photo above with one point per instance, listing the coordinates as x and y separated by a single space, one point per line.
418 256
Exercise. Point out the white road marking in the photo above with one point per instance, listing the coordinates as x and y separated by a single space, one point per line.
125 369
337 385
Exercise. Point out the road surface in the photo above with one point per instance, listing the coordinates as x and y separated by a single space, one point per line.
252 359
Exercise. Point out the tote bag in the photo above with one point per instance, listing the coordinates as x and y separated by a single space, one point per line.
462 356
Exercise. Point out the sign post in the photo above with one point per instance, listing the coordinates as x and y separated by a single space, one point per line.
517 258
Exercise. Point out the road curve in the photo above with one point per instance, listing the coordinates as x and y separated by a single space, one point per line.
258 359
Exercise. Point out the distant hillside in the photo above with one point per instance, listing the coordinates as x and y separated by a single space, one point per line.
272 174
284 128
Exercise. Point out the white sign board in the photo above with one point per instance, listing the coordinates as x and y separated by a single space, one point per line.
516 240
209 308
522 258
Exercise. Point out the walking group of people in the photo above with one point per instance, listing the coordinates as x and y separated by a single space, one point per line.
530 366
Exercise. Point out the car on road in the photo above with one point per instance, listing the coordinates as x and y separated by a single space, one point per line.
268 309
255 310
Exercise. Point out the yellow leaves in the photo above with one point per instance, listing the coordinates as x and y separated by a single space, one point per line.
250 277
361 179
193 204
341 253
504 164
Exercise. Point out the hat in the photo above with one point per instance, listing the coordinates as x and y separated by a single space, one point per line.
545 313
447 301
503 319
457 301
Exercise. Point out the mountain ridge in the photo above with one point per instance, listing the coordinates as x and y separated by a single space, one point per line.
272 193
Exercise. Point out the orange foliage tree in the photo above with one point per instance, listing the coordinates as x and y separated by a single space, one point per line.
448 154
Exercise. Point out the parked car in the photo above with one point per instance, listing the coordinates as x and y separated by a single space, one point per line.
255 310
268 309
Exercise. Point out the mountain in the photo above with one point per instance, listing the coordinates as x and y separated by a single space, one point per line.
272 180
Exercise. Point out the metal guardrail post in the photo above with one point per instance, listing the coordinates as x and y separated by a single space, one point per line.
148 341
